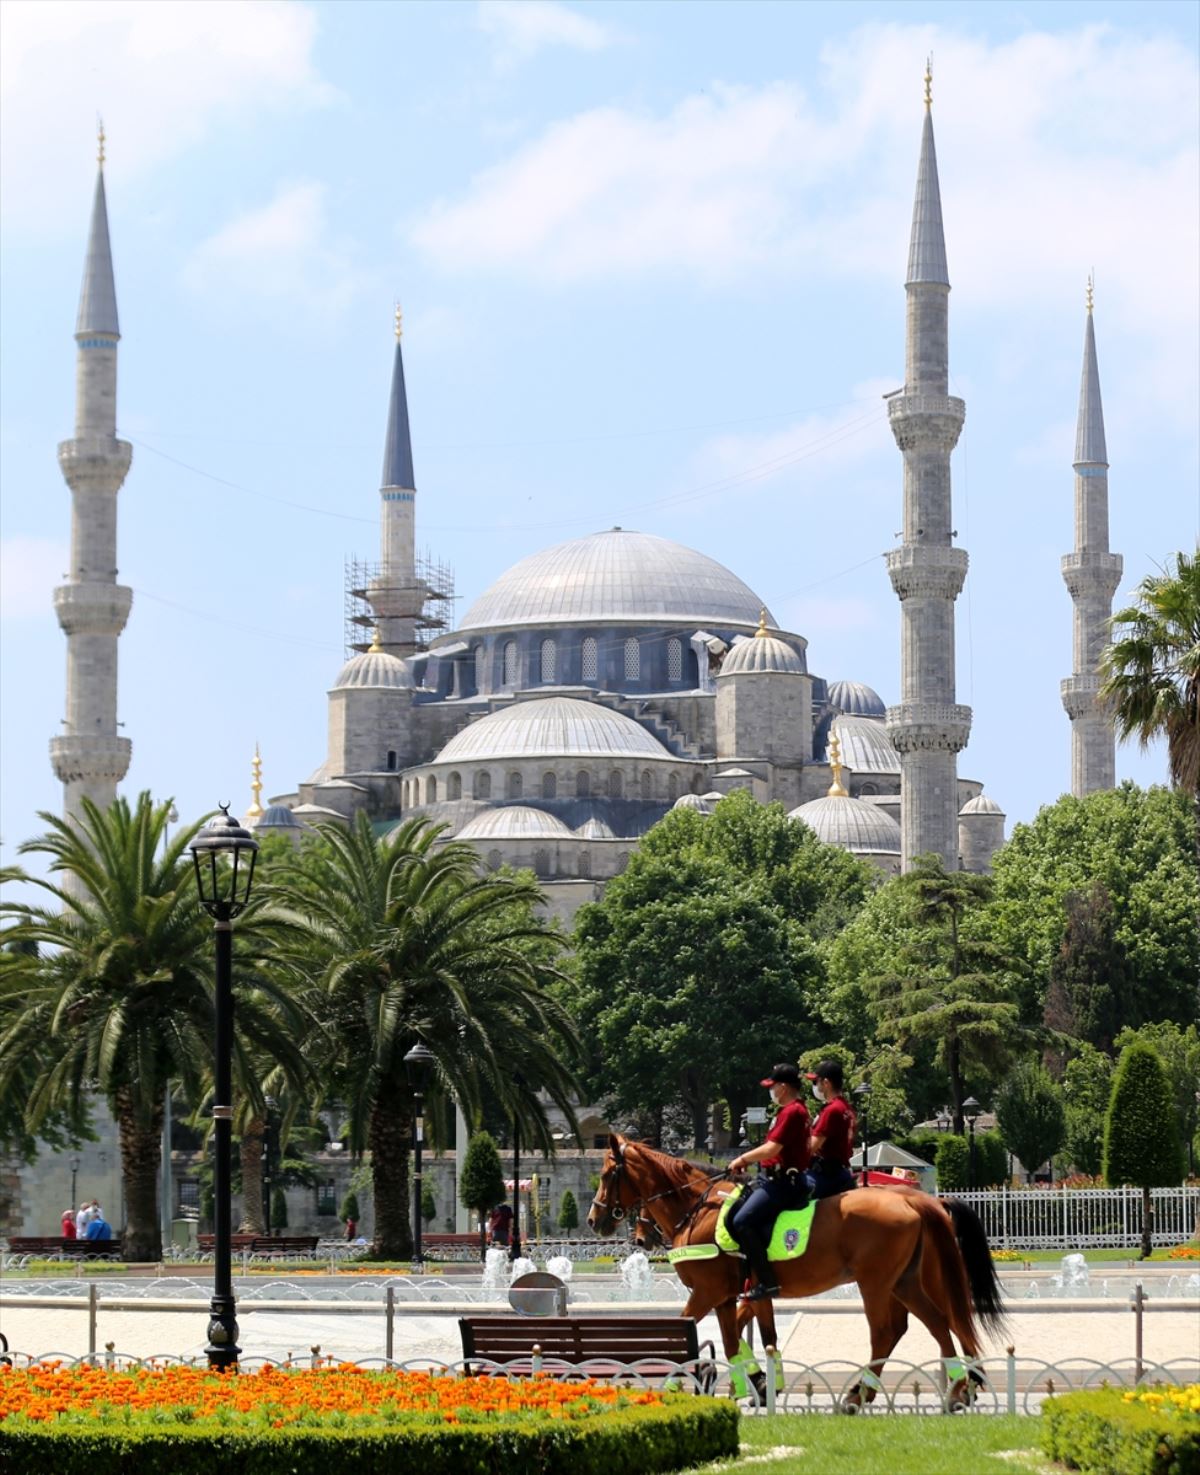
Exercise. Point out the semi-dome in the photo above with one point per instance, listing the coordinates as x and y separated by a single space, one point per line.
866 746
762 652
277 817
552 727
851 823
981 804
615 575
692 801
375 668
514 822
856 699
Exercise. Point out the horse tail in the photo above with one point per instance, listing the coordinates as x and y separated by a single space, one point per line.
977 1261
949 1267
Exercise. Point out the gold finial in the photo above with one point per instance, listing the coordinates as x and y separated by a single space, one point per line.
929 80
399 323
256 810
761 632
837 789
375 649
1091 290
100 142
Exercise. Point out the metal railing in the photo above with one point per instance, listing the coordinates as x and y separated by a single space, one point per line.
1082 1218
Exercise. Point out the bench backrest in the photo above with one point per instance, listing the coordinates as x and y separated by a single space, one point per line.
579 1338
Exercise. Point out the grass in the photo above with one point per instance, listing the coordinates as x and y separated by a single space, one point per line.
899 1444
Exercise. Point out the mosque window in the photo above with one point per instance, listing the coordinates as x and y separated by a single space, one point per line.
431 790
404 795
616 785
549 653
481 787
585 865
494 860
674 660
590 664
583 784
633 660
549 786
510 663
672 788
512 788
454 786
480 668
869 789
541 862
391 760
647 784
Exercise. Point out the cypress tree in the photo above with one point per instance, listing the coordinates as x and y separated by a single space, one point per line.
481 1180
568 1213
1141 1136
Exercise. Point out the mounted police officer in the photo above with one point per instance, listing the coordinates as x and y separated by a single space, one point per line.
832 1133
785 1155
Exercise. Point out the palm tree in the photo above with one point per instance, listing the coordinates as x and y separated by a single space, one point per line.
120 999
405 939
1151 670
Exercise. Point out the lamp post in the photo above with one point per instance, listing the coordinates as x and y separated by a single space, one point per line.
270 1104
223 853
514 1250
971 1109
862 1096
74 1166
419 1063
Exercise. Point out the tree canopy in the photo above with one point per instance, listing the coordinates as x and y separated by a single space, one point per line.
1030 1115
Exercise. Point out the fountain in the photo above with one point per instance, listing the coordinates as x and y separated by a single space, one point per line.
522 1266
637 1277
495 1270
562 1266
1074 1279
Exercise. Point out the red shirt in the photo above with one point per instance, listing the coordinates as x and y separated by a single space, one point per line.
790 1130
836 1125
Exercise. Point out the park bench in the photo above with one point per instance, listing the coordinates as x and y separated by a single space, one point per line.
469 1241
54 1247
657 1345
263 1244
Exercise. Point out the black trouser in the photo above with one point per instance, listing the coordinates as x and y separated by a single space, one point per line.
825 1179
751 1222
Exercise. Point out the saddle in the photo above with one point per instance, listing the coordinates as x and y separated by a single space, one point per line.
789 1233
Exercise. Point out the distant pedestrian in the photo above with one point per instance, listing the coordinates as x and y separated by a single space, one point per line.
351 1228
68 1224
81 1220
500 1224
98 1228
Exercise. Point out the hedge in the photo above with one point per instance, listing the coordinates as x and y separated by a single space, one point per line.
685 1430
1109 1432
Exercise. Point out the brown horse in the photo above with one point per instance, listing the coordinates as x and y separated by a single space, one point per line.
906 1251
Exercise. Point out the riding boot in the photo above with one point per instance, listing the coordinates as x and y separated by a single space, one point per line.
755 1252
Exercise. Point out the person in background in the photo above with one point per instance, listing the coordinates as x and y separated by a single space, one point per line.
98 1228
81 1220
68 1224
351 1229
500 1224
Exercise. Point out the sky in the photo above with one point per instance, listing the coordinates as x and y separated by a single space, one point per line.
651 262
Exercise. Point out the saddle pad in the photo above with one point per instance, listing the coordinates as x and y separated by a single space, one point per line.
789 1237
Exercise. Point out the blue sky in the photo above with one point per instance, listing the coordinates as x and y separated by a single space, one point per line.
651 261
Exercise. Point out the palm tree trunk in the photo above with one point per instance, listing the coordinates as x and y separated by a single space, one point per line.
141 1156
250 1149
389 1135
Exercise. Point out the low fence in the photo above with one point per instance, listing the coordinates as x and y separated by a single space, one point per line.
1083 1218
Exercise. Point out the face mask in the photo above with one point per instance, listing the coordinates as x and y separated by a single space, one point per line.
816 1090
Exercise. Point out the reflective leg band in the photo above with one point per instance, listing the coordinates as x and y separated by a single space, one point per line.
870 1380
742 1367
956 1369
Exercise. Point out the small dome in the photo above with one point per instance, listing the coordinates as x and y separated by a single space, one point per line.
692 801
981 804
277 817
375 668
552 727
854 825
514 822
856 699
595 829
761 652
866 747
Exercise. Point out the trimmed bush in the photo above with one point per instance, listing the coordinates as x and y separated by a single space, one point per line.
350 1208
953 1162
568 1213
1155 1431
1141 1135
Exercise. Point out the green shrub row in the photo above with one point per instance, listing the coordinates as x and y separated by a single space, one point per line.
1098 1432
682 1432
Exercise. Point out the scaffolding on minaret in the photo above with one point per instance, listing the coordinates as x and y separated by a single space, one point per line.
431 598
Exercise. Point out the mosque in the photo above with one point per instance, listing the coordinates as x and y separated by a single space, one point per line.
598 684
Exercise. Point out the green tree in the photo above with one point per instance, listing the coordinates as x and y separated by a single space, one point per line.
428 1203
1091 992
403 939
1179 1051
120 997
953 1162
1141 1144
349 1209
1030 1115
481 1180
568 1213
279 1213
1087 1085
991 1160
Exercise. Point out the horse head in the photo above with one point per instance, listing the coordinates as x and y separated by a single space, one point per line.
615 1195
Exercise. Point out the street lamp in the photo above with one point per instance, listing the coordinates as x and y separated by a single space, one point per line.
514 1251
971 1109
269 1103
74 1167
945 1119
862 1095
223 853
419 1063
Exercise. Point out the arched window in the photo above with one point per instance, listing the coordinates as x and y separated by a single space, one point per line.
512 787
674 660
454 786
616 786
494 860
647 784
697 783
869 789
481 786
404 794
431 790
480 668
549 786
622 861
673 788
590 665
541 862
549 655
585 864
391 760
510 663
633 660
583 784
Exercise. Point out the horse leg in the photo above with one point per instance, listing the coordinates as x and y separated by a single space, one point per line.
888 1321
913 1294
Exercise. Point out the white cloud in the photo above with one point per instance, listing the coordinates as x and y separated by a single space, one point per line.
521 28
280 252
162 76
29 570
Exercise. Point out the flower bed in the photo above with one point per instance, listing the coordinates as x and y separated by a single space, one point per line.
190 1421
1147 1431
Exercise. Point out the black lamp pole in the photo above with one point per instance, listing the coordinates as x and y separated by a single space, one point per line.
419 1063
971 1109
863 1095
74 1172
514 1252
224 854
269 1103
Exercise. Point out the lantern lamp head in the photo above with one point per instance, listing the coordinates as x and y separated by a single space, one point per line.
971 1108
224 854
419 1062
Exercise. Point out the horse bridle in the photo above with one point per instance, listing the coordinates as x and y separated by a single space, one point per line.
618 1210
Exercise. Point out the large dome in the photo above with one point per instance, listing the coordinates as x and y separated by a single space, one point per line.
865 745
851 823
552 727
616 575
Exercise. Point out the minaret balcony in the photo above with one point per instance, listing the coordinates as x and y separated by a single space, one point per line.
926 420
927 571
1092 573
94 463
92 609
927 727
1080 695
75 758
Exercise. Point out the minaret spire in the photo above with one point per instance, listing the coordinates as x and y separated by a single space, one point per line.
396 596
927 571
90 757
1091 574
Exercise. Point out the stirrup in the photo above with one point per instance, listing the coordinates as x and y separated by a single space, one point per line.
760 1292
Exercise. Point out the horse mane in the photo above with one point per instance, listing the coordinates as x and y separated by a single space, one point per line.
678 1169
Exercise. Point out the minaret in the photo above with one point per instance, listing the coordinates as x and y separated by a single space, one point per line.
396 598
90 758
1092 574
928 727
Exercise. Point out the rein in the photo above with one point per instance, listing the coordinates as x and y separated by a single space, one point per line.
618 1211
